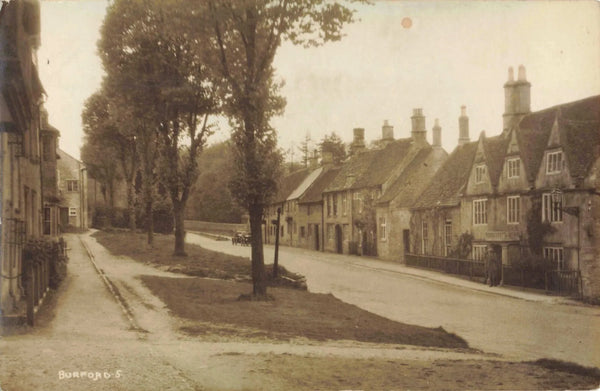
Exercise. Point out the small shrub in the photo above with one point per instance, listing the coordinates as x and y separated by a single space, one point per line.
37 251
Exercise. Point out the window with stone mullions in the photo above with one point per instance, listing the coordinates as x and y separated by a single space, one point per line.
480 212
480 173
551 211
554 162
514 168
513 209
556 256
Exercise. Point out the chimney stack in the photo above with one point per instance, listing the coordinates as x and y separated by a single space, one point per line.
327 158
313 160
419 134
437 134
463 126
517 98
387 131
358 144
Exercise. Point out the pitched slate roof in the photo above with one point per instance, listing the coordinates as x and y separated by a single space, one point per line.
448 182
288 184
579 128
411 182
315 191
351 170
495 150
371 168
384 163
305 184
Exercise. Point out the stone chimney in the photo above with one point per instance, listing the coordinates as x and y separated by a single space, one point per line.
437 134
313 160
419 134
358 143
463 126
327 158
517 99
387 131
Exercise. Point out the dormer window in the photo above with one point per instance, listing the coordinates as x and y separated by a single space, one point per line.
479 173
513 167
554 162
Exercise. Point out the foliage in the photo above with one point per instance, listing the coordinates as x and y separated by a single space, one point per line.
39 250
305 150
365 220
333 144
210 198
536 228
246 35
462 248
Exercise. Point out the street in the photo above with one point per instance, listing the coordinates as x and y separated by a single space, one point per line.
517 329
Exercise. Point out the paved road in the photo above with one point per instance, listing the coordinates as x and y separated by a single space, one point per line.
515 328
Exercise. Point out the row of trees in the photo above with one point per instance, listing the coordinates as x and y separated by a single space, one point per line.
173 64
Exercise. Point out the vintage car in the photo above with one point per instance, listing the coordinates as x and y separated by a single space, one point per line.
241 238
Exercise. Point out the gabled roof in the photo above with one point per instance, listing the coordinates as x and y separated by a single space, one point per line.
288 184
385 162
579 127
305 184
448 182
495 150
405 189
351 170
315 191
372 167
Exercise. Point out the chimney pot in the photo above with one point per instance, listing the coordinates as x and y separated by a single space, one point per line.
511 74
463 126
522 76
437 134
463 111
387 131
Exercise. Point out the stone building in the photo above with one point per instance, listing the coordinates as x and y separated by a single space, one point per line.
351 221
51 200
500 189
393 207
72 187
20 183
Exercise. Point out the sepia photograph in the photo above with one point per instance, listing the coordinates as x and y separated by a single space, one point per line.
235 195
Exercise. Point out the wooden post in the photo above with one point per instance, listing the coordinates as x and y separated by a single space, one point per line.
30 298
276 260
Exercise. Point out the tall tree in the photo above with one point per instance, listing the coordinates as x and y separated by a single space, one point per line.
150 46
108 133
304 149
246 35
333 144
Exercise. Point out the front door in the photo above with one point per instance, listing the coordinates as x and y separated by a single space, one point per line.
406 240
338 239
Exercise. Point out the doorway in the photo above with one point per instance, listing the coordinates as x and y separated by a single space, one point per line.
406 240
338 239
317 238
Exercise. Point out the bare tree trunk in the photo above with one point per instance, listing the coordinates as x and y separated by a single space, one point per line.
179 229
131 205
258 264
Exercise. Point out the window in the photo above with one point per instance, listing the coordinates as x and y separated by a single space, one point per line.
328 204
47 221
480 173
480 212
73 212
329 231
556 255
302 231
513 168
424 238
513 209
478 252
554 162
344 204
335 204
72 185
448 237
383 226
551 211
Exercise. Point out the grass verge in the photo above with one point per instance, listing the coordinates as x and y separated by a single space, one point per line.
199 262
293 313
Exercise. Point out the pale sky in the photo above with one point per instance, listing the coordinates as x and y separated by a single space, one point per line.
454 53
